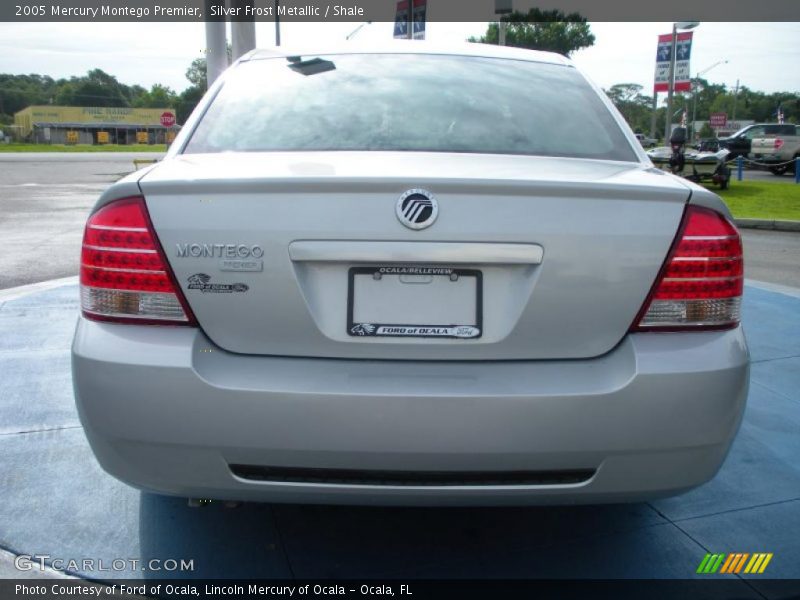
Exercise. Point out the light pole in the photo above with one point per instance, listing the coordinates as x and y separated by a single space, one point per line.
502 7
671 81
694 90
353 33
216 47
277 23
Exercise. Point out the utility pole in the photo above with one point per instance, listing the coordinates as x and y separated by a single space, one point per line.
671 82
216 47
735 100
653 116
243 29
502 7
277 23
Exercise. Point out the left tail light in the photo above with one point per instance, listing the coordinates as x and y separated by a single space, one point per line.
125 276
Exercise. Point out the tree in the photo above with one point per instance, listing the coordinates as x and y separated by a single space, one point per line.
19 91
634 106
197 73
705 93
550 30
187 100
159 96
706 131
96 88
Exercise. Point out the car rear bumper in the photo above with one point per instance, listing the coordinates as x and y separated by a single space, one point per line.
165 410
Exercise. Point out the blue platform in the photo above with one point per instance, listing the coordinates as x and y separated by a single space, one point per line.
55 500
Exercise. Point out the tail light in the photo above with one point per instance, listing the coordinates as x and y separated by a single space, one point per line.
778 143
701 283
124 273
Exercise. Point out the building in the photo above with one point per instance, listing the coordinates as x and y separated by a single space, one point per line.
730 127
95 125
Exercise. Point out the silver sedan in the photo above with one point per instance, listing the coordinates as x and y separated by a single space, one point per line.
410 275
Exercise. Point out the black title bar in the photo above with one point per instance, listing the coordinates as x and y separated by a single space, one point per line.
72 589
385 10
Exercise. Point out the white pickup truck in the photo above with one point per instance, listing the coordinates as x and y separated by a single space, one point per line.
779 150
646 142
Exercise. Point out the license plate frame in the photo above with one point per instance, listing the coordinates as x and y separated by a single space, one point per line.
455 331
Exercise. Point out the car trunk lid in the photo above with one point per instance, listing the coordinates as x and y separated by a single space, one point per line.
285 253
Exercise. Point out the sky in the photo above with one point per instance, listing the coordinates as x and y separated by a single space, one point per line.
762 56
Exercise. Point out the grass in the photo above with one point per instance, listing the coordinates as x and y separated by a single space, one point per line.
762 199
82 148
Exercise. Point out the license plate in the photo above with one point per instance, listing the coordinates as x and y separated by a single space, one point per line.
414 301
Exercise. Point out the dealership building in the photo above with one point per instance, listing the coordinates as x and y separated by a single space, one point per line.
95 125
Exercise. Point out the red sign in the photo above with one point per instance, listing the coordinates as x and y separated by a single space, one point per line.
167 119
718 120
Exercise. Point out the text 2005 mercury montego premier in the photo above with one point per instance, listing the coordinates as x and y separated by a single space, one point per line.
409 275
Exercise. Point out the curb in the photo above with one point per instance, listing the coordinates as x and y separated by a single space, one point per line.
767 224
774 287
23 290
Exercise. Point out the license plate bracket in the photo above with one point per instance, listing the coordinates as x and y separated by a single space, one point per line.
418 301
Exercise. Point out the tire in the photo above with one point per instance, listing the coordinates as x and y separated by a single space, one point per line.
779 170
724 174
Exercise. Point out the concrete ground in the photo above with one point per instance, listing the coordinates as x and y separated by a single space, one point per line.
44 201
761 175
55 499
772 256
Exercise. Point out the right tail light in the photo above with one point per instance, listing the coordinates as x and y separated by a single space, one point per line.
701 283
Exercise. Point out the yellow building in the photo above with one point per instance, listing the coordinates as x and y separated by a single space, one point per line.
77 124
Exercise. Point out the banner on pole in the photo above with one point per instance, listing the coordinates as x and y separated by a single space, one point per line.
401 20
418 17
683 54
420 9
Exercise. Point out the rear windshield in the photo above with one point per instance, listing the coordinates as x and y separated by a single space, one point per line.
397 102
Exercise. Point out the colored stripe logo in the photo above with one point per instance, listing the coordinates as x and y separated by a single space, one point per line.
734 562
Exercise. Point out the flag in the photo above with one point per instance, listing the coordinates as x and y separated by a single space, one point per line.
683 54
401 20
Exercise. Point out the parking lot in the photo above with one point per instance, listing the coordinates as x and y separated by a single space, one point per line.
55 500
44 201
